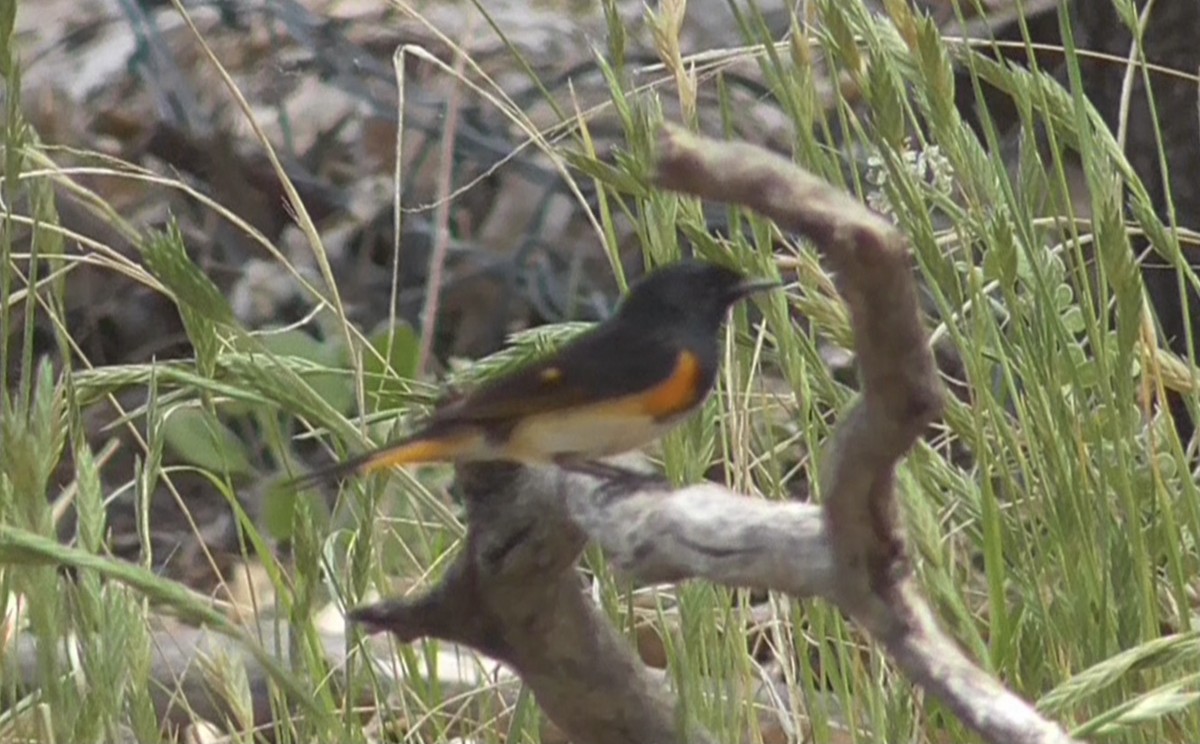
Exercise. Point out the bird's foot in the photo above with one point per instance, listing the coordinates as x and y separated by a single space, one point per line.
616 479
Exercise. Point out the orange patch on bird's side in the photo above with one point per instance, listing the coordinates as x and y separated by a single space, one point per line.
676 393
551 374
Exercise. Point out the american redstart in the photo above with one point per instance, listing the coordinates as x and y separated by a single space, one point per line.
614 388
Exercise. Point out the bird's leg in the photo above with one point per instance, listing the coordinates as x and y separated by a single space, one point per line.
615 477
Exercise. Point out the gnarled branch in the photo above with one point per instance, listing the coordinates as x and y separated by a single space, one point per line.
513 592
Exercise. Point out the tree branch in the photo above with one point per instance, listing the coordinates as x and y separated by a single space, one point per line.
901 396
513 592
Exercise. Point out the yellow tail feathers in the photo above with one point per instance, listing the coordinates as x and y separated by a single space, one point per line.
411 452
418 449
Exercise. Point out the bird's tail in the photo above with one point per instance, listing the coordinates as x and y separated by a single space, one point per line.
429 445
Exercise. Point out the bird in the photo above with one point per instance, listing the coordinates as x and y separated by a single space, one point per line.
614 388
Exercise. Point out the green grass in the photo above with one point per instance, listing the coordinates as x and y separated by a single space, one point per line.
1061 551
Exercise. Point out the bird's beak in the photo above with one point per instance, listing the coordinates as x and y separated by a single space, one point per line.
750 286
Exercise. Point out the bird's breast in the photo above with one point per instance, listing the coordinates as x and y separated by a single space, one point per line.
592 431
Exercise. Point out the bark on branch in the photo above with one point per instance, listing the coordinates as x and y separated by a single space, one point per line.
514 594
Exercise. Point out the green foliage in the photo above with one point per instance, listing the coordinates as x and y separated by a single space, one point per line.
1055 520
389 372
203 308
335 387
199 437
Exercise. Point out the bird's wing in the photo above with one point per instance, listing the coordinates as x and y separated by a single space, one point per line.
590 369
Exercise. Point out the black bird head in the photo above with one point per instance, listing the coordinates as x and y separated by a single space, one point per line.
691 293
